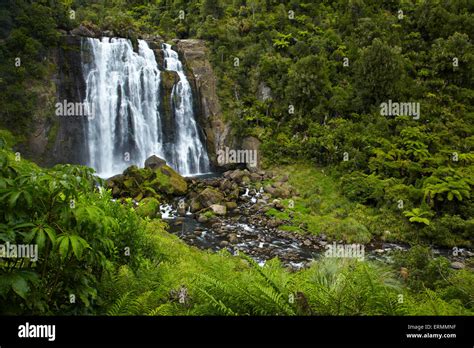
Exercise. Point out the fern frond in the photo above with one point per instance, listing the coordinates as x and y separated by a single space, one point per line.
120 307
218 304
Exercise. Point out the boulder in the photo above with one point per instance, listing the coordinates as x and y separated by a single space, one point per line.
231 205
274 223
108 33
168 181
234 195
209 196
236 175
255 177
203 218
457 265
270 189
115 183
233 238
154 162
195 205
218 209
225 185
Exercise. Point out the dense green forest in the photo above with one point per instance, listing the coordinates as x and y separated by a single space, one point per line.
361 175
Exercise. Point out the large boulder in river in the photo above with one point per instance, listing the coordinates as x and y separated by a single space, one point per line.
154 162
209 197
168 181
145 182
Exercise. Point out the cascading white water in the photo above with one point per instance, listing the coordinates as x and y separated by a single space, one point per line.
123 93
192 154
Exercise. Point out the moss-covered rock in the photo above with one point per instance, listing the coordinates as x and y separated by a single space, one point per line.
168 181
231 205
144 182
148 207
209 196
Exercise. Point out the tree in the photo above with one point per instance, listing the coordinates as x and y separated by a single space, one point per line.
211 8
309 88
378 74
453 59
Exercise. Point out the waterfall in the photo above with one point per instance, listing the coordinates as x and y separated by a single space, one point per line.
123 94
193 156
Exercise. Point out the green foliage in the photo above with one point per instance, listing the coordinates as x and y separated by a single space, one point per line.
379 73
362 188
75 228
148 207
337 287
416 215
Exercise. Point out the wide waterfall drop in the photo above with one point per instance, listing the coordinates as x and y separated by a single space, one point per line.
123 92
192 153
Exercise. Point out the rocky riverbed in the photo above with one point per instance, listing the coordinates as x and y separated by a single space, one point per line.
229 211
247 229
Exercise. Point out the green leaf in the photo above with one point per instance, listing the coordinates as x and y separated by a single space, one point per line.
420 220
13 198
28 198
77 244
63 246
28 236
40 239
23 225
51 234
20 286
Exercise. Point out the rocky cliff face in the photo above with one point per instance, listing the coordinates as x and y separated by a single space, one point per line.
194 53
57 139
68 144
